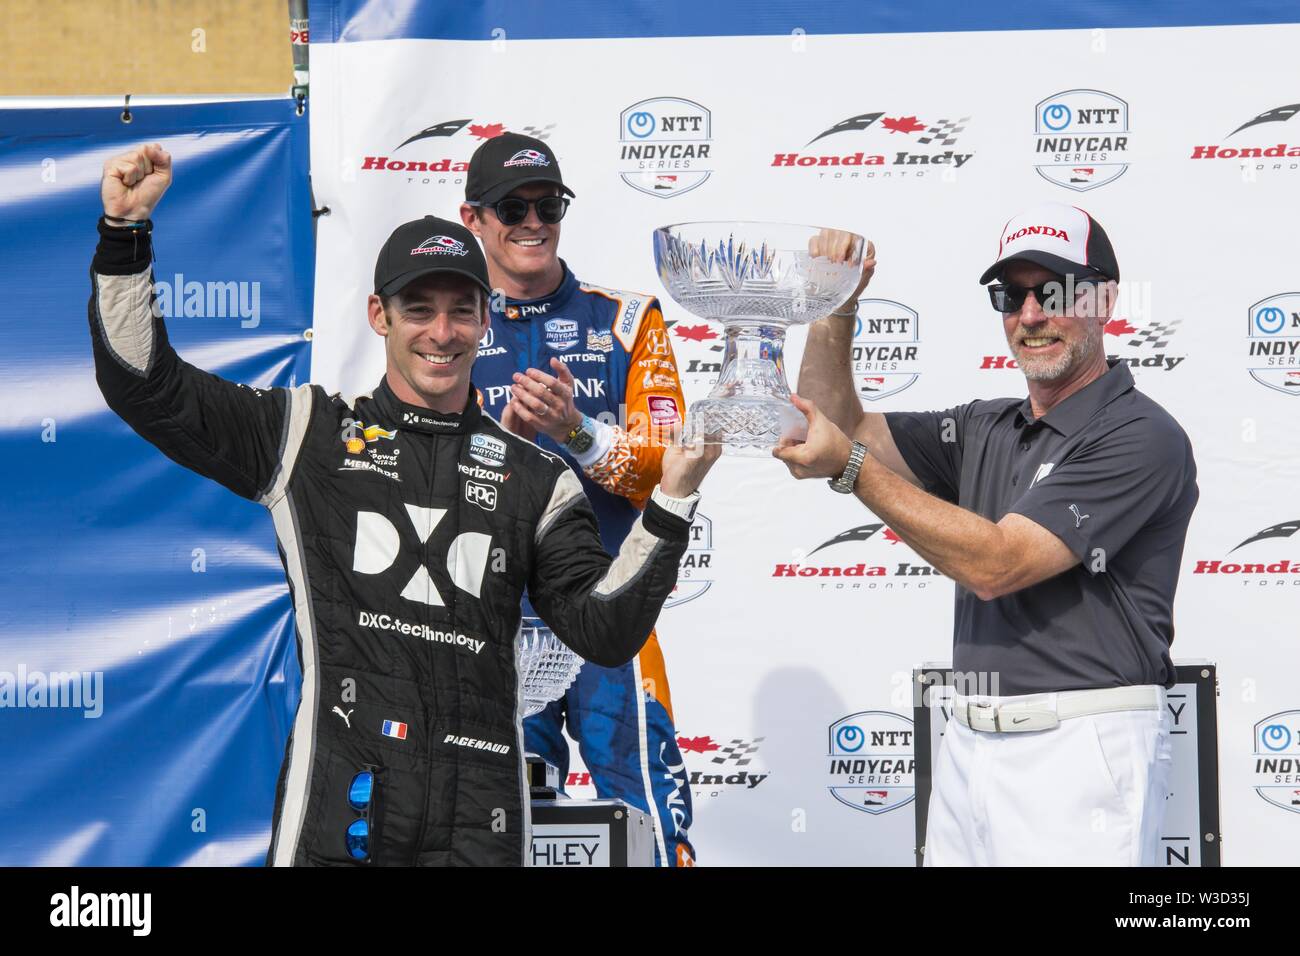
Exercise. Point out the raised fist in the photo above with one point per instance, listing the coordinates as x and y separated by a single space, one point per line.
135 181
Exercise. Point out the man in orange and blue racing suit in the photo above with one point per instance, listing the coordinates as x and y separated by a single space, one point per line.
564 358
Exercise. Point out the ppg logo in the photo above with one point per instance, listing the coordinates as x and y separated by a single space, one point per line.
850 738
1057 116
485 496
1270 319
641 124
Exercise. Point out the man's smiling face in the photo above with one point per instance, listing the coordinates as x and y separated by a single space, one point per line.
1046 347
432 329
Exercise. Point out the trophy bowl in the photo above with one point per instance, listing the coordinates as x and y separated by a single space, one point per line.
546 666
757 279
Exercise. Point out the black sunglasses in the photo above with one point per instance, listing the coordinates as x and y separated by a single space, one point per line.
1049 295
512 210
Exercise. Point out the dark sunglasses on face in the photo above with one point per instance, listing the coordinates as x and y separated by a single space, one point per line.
512 210
1049 295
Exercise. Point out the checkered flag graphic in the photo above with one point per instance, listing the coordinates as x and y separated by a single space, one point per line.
1156 334
739 752
945 131
538 132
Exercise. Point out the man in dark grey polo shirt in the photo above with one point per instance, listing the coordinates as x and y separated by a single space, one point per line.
1062 518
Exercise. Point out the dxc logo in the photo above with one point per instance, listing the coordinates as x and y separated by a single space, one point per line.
379 543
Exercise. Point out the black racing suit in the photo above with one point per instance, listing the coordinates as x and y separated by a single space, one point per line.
408 538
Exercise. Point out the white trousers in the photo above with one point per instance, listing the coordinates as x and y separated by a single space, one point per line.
1090 792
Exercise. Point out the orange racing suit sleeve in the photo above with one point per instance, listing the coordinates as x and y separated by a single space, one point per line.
633 463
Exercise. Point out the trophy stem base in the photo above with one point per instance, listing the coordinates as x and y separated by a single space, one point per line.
743 425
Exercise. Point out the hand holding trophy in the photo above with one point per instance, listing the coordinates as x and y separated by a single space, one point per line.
758 279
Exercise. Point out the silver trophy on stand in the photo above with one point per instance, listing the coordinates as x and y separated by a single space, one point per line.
757 279
546 668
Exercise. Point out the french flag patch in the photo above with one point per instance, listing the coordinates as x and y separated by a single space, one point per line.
395 728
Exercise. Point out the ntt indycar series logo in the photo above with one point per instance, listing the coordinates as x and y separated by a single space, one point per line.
886 348
882 145
665 146
872 764
695 570
1277 759
1081 139
387 622
1273 342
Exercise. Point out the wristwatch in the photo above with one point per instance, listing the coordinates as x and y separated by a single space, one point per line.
681 507
845 482
582 437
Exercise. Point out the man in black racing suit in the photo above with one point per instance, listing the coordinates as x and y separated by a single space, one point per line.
409 524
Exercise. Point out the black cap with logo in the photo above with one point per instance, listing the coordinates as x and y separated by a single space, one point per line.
425 246
508 161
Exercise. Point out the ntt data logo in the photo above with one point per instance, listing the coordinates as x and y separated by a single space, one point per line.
872 764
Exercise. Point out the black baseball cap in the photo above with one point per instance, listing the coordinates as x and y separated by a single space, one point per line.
429 245
1062 238
506 162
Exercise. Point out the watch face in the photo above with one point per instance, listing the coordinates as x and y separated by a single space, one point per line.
581 442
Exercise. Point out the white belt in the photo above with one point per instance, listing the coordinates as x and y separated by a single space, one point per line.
1046 711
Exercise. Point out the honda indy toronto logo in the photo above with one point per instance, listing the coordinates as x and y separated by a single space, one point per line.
711 767
883 145
695 570
699 351
862 560
871 760
665 146
1277 759
1266 143
1270 557
439 154
886 348
440 246
382 547
1081 139
1273 342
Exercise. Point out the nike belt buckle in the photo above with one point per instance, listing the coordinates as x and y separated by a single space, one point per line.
1015 721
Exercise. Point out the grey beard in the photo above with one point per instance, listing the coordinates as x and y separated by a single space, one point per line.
1075 354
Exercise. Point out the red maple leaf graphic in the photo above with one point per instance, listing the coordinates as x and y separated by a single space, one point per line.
1119 327
888 535
490 131
699 745
695 333
906 124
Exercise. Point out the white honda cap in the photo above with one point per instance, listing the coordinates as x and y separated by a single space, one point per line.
1062 238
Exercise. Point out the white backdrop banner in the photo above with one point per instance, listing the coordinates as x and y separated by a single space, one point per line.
1181 139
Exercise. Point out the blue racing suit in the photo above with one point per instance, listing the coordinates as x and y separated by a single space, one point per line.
618 350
